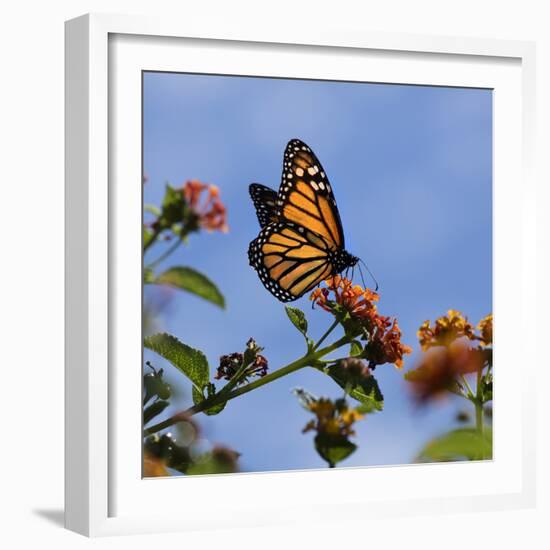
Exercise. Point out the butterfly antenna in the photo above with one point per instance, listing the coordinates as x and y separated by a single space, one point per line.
370 273
361 273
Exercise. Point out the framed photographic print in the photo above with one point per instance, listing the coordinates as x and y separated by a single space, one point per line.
289 268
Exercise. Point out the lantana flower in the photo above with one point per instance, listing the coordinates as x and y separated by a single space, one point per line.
445 330
342 297
333 418
485 327
355 299
450 354
230 365
208 206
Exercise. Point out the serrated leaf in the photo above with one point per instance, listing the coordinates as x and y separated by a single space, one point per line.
460 444
191 280
366 391
191 362
153 410
298 319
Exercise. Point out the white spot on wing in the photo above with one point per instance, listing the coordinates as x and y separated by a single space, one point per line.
312 170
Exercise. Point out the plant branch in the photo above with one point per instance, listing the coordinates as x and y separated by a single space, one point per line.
152 240
219 398
235 379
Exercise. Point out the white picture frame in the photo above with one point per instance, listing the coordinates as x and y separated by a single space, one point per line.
104 493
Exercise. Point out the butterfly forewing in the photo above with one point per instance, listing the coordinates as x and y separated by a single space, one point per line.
305 195
289 259
265 202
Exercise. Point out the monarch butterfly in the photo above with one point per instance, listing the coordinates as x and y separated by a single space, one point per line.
301 241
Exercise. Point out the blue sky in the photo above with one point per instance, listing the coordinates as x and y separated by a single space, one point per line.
411 169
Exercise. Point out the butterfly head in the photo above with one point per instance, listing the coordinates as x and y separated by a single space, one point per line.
343 260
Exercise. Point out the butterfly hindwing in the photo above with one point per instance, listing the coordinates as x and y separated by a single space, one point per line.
305 195
265 202
290 259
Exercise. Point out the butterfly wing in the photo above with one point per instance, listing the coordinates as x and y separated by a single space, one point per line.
305 196
290 259
265 202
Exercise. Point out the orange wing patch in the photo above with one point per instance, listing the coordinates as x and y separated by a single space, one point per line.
330 221
313 279
305 189
294 214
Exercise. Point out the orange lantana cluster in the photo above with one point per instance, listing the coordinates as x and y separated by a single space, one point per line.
445 330
355 299
449 355
210 210
341 296
485 327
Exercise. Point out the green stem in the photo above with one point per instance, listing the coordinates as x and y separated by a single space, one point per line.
218 399
323 338
479 416
471 395
165 254
479 403
153 240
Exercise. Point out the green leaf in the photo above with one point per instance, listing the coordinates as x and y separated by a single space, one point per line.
217 461
366 391
355 349
173 207
333 448
298 319
460 444
153 410
486 388
155 386
152 209
186 278
148 276
351 325
187 360
147 237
